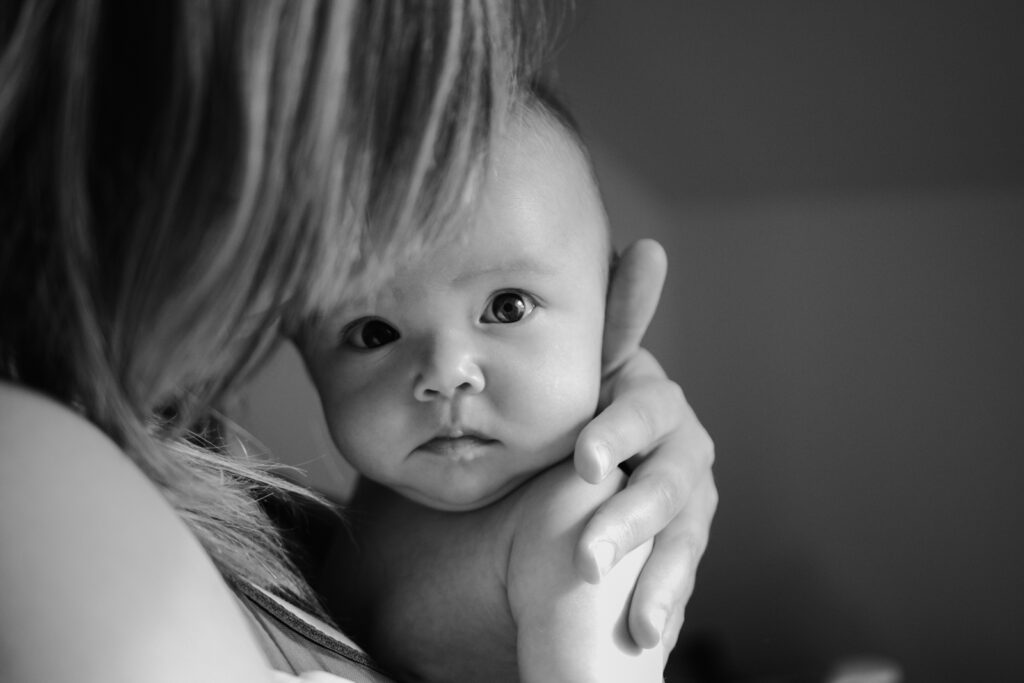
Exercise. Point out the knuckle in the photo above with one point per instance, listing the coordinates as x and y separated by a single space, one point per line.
674 393
633 529
622 533
644 421
713 498
667 493
707 447
692 546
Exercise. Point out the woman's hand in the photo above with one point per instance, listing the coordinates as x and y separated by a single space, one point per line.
647 424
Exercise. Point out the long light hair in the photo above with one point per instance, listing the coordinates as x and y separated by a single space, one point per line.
178 178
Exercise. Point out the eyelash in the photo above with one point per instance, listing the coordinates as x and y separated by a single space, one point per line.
529 304
357 331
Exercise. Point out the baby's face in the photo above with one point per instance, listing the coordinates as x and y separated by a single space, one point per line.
477 364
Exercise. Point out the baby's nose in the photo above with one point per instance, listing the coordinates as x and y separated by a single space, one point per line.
450 369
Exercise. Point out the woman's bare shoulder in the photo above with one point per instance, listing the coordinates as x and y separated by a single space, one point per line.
47 450
32 424
99 578
49 454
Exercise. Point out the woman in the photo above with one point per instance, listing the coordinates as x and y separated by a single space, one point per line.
176 182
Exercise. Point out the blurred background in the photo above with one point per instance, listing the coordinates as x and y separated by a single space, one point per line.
840 188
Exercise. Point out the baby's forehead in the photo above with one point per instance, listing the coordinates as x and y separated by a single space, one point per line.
536 219
547 138
542 159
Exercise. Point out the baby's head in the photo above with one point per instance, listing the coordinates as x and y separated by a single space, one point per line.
474 367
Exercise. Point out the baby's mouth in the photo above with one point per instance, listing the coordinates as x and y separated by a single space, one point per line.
457 444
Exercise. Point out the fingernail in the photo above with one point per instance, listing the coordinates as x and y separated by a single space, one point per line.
604 555
659 618
604 459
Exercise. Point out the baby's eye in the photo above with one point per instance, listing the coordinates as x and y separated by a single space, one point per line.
508 307
369 333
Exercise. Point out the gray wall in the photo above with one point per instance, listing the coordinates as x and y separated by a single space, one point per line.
840 186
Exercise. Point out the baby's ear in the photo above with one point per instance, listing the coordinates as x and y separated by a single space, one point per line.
634 288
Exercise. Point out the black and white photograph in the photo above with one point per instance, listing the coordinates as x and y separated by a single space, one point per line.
580 341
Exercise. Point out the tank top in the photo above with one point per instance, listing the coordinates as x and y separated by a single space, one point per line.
294 646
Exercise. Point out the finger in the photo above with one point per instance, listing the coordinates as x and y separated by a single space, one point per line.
635 371
636 421
666 583
689 442
633 292
656 493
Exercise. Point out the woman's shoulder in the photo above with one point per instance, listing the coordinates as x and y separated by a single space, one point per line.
96 563
43 442
32 424
47 450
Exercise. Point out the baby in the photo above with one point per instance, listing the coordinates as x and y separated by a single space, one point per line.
458 391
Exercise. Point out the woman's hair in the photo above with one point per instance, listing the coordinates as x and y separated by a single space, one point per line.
178 178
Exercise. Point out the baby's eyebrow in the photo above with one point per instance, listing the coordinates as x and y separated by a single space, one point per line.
525 266
345 312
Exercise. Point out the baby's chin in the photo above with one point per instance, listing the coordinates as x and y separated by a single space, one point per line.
468 494
459 499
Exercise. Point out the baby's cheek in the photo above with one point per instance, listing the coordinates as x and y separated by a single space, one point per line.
563 402
352 422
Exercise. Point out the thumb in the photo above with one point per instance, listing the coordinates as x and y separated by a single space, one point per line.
633 292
